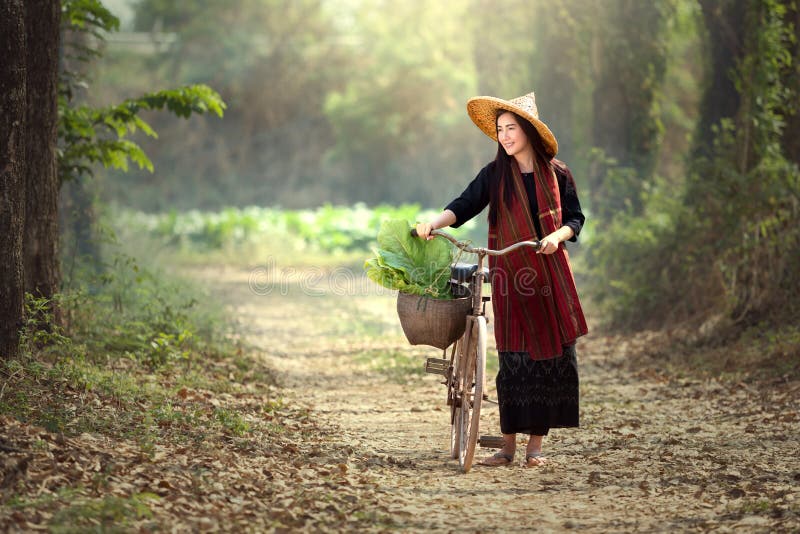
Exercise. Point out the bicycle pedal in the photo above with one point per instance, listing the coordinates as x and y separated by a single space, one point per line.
437 366
491 442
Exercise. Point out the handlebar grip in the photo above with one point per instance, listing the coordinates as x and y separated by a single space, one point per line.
414 232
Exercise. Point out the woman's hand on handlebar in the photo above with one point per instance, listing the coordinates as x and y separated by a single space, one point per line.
424 230
444 219
549 243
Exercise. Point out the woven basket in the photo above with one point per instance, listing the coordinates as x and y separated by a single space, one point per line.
435 322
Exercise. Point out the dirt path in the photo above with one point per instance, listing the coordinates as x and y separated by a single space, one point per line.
654 453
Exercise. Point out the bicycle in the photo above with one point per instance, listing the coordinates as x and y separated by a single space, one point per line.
464 372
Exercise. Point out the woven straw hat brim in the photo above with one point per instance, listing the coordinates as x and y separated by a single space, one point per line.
483 112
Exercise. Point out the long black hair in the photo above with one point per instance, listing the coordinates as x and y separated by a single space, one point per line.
502 165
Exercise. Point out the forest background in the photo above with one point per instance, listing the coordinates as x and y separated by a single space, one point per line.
679 119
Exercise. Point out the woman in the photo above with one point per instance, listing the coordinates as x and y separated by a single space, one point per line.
537 313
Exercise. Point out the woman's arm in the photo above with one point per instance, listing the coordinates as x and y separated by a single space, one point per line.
572 216
446 218
571 213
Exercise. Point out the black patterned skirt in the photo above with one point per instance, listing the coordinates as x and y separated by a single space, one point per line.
537 395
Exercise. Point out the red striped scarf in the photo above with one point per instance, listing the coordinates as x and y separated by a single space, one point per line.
536 306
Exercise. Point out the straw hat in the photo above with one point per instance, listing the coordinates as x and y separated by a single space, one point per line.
483 112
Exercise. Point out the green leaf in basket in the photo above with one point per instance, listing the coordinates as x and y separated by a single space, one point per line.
410 264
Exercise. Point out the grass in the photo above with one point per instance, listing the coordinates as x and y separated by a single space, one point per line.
756 506
231 422
81 514
21 503
142 360
74 394
107 514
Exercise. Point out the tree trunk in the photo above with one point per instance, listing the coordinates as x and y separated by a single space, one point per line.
723 21
629 55
42 271
12 173
791 133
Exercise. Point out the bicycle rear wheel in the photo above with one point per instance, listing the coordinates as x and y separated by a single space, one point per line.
453 384
473 366
455 431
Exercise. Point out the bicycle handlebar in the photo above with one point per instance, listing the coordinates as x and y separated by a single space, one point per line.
481 250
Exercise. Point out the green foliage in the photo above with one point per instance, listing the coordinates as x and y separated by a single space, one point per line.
123 330
148 317
89 135
747 188
726 241
375 114
621 189
677 98
628 264
89 15
98 135
40 331
410 264
168 347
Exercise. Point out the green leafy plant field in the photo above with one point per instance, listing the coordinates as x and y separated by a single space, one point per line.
327 229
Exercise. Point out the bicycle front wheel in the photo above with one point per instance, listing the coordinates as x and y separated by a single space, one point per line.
472 379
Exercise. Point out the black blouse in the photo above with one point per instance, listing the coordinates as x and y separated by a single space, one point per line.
476 197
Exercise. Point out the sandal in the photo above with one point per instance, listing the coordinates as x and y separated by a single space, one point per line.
495 460
540 460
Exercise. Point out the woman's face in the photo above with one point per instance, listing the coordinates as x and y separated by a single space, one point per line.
510 134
